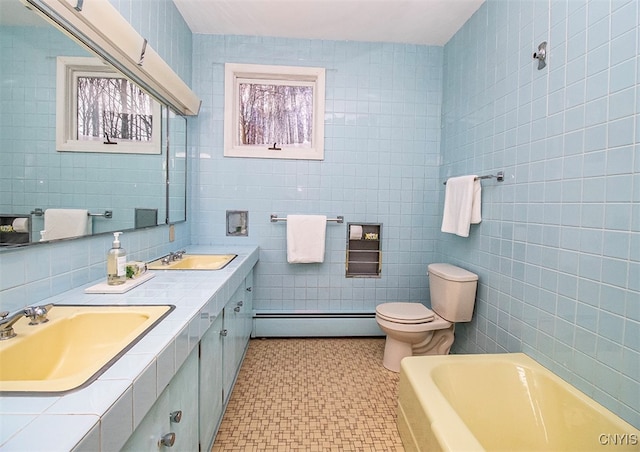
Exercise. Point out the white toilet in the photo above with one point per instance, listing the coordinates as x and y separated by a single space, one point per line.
414 330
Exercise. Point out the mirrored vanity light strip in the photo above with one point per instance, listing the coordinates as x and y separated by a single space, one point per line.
99 26
338 219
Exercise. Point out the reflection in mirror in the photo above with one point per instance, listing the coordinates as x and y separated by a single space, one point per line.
177 167
35 177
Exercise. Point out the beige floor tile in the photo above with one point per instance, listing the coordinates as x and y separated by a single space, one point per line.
320 395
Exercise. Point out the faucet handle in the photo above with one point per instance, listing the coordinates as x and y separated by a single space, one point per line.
38 314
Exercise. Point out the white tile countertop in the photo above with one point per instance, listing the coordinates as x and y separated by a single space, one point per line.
104 414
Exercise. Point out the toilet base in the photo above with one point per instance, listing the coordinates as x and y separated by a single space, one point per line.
394 351
437 342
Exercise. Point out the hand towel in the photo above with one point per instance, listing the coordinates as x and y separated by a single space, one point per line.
64 223
305 238
476 208
462 205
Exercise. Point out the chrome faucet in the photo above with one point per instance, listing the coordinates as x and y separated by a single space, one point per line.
172 257
37 314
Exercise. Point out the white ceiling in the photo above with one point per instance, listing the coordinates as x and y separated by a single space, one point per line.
428 22
12 12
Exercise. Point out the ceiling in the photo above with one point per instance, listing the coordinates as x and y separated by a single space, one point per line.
427 22
13 12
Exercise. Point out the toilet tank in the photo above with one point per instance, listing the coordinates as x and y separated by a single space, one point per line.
453 292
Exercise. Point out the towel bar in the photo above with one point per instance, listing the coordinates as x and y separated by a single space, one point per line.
106 214
499 177
338 219
38 212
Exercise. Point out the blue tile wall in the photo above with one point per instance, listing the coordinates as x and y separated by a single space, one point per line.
382 141
558 250
160 22
34 273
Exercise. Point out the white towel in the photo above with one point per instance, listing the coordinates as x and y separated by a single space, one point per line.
64 223
305 238
462 202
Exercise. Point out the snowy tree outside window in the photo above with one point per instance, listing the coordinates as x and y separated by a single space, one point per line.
99 110
113 109
274 112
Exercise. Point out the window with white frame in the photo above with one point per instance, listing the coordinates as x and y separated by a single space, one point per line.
99 110
274 112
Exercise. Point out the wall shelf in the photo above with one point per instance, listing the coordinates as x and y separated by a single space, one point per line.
10 237
364 251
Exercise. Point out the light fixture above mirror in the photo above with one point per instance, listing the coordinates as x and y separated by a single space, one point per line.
99 26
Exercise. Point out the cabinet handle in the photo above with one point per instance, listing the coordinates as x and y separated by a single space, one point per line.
237 309
240 303
167 440
223 333
175 416
248 289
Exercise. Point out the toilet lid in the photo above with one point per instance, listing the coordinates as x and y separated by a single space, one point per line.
405 312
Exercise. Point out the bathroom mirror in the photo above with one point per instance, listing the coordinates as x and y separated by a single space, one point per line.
121 191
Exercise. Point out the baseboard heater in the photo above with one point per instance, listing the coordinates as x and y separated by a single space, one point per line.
314 324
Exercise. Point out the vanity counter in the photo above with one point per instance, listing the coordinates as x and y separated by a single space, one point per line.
106 412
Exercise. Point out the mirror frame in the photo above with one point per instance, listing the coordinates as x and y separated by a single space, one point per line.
173 153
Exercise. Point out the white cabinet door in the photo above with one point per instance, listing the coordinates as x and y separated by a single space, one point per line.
247 309
181 395
210 383
229 346
152 428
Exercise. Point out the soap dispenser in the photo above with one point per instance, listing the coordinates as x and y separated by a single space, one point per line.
116 263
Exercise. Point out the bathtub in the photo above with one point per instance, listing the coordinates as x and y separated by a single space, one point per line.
500 402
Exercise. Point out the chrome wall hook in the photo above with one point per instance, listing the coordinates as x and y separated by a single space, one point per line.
541 55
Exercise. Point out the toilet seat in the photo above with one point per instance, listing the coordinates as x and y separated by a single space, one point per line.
438 323
405 313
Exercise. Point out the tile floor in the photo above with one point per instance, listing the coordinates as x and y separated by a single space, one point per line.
312 395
